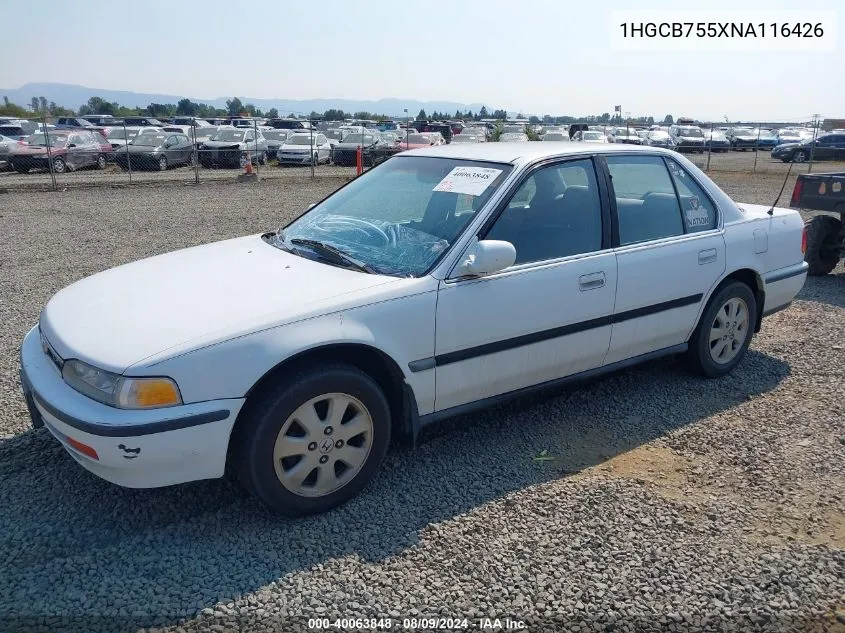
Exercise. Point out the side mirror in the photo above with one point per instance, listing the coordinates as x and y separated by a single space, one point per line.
485 257
72 145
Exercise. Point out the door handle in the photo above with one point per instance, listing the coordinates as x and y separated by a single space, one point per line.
591 281
707 257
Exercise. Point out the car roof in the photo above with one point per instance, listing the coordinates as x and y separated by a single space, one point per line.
526 151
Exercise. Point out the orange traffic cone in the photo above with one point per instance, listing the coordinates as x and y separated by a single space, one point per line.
248 167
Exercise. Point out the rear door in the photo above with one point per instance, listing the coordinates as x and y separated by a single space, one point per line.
670 252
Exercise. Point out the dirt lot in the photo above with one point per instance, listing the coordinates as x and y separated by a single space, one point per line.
647 500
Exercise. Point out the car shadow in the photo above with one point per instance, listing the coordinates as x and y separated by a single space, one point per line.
829 289
69 540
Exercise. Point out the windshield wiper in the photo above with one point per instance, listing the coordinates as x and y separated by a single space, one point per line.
337 254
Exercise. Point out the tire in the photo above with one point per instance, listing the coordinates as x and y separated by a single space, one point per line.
262 158
824 244
162 163
799 157
59 165
269 445
711 357
101 161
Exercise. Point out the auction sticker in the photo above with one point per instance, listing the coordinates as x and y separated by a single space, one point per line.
468 180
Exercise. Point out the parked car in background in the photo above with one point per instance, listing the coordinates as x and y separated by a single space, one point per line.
345 152
480 132
14 131
742 138
826 147
589 136
305 149
101 120
658 138
786 135
118 136
189 120
552 136
687 138
418 141
71 122
766 139
274 139
334 136
144 121
232 357
6 145
68 150
427 126
512 137
156 150
716 141
435 137
624 135
463 137
288 124
233 147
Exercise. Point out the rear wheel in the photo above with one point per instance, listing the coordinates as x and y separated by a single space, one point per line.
101 161
824 244
313 441
723 335
800 156
59 165
162 163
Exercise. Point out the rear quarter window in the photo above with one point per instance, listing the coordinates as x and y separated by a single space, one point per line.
699 213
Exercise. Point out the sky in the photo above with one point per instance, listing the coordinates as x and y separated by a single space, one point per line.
538 57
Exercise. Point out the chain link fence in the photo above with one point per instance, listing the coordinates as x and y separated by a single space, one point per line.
58 152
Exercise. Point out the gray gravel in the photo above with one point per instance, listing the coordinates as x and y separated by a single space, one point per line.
647 500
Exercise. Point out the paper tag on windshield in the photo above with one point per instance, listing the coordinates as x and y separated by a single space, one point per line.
469 180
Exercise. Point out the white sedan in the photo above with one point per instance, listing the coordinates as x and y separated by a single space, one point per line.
302 149
443 280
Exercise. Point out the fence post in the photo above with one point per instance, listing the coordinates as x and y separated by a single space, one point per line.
756 148
709 147
49 154
311 130
813 146
196 152
359 160
255 134
128 155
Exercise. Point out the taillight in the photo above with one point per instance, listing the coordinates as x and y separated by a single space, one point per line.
796 193
804 240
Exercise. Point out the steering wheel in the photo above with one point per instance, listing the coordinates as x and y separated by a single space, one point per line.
370 231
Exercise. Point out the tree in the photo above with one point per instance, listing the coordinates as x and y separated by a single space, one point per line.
161 109
421 116
315 115
234 106
668 119
500 114
33 104
42 102
482 113
12 109
650 120
334 115
186 107
272 113
534 120
605 117
519 115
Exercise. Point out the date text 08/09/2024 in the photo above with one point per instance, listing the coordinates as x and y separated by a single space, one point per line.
722 29
416 624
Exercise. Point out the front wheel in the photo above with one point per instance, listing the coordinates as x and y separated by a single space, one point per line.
723 335
800 156
101 161
59 165
162 163
313 441
824 244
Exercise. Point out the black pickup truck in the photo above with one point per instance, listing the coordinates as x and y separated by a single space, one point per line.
824 233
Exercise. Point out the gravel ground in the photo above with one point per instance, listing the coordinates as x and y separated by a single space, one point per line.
647 500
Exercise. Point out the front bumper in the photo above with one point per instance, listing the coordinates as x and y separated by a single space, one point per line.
135 448
296 159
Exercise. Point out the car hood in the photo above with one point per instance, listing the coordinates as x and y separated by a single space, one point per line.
353 145
297 148
139 149
191 298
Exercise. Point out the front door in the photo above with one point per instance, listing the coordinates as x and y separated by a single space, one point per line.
548 315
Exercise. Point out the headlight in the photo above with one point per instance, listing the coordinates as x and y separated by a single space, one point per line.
120 391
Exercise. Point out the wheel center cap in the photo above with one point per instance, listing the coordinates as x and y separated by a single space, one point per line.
326 445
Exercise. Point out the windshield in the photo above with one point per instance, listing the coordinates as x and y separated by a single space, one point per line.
591 136
149 140
275 135
56 140
789 134
555 136
690 132
206 132
301 139
657 136
464 138
361 139
418 139
229 135
398 218
766 134
334 134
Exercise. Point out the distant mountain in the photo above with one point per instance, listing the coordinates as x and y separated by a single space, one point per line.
73 96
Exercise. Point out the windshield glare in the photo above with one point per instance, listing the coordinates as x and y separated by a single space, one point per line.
392 219
692 132
361 139
301 139
229 135
275 135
